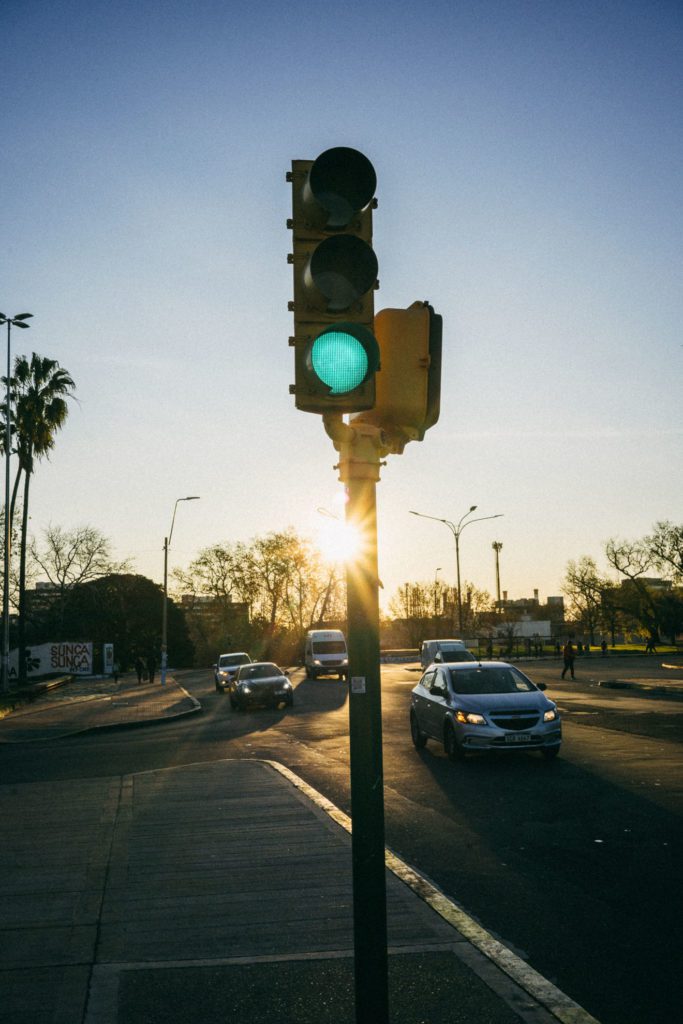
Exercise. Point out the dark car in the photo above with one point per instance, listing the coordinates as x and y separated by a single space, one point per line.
483 707
262 682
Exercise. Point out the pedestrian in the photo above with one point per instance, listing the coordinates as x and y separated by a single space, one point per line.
116 671
139 668
651 649
151 666
568 653
603 648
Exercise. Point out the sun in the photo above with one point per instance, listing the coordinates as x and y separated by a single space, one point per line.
337 541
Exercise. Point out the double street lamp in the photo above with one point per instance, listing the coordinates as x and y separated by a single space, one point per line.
456 530
11 321
164 619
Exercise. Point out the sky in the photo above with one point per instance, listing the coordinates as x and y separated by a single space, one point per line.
528 158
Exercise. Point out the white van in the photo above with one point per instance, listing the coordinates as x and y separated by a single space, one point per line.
443 650
325 653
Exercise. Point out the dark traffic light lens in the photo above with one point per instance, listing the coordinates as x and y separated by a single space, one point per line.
342 269
342 181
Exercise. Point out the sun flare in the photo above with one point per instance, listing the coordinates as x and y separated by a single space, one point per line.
337 541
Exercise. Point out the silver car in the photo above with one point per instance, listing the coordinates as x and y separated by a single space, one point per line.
226 668
481 707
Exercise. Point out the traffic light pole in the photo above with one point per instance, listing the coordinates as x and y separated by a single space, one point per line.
359 471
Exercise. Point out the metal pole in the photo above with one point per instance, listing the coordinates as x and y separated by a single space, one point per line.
8 530
359 470
164 618
164 615
456 534
497 545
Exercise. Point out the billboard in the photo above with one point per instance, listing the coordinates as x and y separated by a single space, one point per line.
47 659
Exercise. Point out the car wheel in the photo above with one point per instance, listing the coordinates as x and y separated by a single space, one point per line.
550 753
451 746
419 738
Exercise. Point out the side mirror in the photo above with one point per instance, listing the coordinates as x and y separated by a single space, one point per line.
438 656
286 672
541 686
215 665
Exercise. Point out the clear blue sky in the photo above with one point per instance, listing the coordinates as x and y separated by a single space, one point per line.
528 157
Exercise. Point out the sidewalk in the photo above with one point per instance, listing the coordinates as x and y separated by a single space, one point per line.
222 892
96 704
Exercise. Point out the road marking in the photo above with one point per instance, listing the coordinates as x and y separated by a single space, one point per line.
539 988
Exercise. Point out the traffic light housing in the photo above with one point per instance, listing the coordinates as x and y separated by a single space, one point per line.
408 392
335 275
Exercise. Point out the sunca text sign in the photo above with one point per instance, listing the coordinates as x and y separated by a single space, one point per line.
75 659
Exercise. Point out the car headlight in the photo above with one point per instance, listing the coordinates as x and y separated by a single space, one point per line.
550 716
469 718
245 688
286 685
317 662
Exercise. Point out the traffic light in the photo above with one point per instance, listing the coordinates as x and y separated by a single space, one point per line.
335 274
409 387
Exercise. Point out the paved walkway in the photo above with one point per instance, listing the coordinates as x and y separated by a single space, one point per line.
222 892
96 704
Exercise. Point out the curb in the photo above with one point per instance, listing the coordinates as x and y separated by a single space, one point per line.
551 998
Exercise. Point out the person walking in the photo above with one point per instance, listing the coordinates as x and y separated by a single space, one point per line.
151 667
568 653
139 669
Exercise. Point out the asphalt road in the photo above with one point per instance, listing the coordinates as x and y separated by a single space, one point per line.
574 864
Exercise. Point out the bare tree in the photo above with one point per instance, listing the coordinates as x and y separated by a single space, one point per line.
586 591
665 545
71 557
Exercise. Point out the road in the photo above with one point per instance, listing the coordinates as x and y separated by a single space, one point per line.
574 864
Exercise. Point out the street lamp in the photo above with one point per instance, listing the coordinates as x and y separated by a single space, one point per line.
11 321
436 577
164 619
456 530
498 547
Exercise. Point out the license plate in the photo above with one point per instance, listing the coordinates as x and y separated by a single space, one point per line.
518 737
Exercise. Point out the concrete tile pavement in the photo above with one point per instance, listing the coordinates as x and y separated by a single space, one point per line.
222 892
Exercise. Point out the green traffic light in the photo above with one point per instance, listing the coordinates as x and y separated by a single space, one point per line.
340 361
343 357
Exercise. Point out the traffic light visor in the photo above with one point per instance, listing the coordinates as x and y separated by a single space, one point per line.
343 357
341 269
342 181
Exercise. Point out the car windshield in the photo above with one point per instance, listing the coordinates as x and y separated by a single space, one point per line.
490 680
260 671
329 647
234 659
457 655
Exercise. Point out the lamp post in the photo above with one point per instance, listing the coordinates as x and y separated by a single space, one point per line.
456 530
164 618
436 577
11 321
498 547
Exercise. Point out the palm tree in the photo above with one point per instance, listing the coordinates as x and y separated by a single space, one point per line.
39 389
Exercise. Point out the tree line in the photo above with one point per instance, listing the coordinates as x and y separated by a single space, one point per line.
647 594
